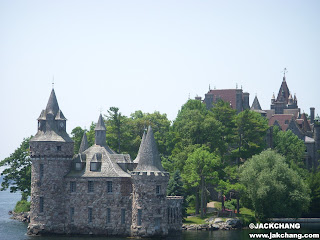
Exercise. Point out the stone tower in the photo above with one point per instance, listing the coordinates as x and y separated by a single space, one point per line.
284 99
51 151
149 183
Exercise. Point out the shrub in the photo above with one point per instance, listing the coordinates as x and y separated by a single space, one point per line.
22 206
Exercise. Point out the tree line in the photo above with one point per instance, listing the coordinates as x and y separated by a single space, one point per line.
205 151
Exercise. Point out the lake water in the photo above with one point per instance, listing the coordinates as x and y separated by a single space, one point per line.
14 230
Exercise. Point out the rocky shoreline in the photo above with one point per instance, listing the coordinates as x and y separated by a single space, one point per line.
216 224
212 225
22 217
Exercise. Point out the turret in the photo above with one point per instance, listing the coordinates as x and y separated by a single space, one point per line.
273 98
84 143
100 132
149 181
51 151
290 99
256 104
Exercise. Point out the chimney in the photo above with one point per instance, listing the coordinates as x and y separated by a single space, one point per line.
312 115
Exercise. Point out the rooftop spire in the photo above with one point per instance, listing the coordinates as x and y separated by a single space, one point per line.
149 158
100 132
84 143
141 144
52 105
100 124
256 104
284 74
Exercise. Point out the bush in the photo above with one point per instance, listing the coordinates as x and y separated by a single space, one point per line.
22 206
232 204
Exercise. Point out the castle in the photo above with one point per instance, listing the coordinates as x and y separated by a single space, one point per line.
285 114
97 191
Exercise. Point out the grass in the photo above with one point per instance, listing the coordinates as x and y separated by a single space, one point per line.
247 216
22 206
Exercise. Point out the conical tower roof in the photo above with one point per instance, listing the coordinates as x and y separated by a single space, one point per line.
149 158
141 144
52 105
100 124
84 143
256 104
284 92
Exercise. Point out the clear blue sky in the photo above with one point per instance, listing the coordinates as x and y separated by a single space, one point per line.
149 55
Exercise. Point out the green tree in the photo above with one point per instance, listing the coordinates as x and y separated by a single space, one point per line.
251 131
138 123
314 184
201 168
175 188
274 189
175 185
91 134
76 135
117 131
290 146
226 115
17 175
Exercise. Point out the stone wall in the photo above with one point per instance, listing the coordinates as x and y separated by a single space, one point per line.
51 149
100 200
47 182
174 204
152 205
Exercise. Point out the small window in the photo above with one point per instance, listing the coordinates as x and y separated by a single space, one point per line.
139 217
286 121
158 189
41 204
94 166
72 186
123 216
41 171
109 186
59 148
71 214
90 186
90 215
78 166
108 215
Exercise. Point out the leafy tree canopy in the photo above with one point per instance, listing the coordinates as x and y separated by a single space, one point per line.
274 189
290 146
17 175
251 129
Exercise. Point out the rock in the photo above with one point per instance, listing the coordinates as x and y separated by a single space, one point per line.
192 227
203 227
233 223
214 227
22 217
218 220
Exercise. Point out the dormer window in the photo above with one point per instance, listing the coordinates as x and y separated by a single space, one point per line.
94 166
78 166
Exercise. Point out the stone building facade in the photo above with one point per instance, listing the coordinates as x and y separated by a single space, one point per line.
97 191
285 114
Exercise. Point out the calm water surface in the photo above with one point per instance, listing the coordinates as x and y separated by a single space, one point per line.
14 230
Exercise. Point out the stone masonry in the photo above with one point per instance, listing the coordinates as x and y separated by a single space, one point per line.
97 191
